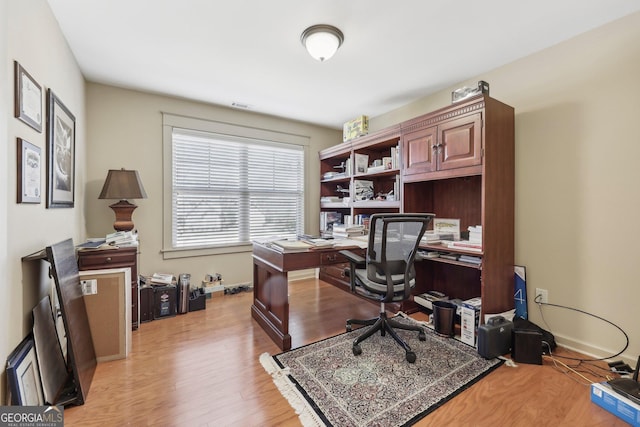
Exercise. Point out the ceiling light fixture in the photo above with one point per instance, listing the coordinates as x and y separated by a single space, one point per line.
322 41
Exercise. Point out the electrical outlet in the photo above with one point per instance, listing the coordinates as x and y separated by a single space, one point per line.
542 296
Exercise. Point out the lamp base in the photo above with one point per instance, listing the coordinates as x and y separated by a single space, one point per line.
123 210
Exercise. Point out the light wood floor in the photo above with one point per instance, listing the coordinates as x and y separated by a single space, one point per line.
202 369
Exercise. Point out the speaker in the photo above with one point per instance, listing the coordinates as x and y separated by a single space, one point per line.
527 346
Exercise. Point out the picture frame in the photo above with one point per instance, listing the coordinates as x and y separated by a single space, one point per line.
29 172
28 98
23 375
61 136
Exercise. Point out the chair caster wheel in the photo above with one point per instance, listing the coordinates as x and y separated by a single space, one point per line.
422 336
411 357
357 351
348 328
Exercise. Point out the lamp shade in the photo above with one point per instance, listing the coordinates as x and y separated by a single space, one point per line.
322 41
122 184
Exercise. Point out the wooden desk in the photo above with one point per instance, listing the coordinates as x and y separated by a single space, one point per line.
270 286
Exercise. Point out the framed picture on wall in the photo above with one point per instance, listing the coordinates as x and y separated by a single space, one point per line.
61 141
28 98
29 172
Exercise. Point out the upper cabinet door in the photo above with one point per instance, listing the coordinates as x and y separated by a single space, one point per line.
419 151
460 143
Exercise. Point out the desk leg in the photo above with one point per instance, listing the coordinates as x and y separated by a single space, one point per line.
271 303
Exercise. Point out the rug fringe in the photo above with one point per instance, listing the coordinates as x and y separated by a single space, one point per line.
307 415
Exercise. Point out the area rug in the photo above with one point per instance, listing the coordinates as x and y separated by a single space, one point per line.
328 386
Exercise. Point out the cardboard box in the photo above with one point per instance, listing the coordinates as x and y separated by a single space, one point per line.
623 408
355 128
469 319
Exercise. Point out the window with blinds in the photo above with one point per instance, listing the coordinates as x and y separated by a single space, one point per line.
230 190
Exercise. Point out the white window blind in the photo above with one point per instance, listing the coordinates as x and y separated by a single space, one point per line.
229 190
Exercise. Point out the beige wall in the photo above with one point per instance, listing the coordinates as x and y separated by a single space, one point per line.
125 130
30 35
577 176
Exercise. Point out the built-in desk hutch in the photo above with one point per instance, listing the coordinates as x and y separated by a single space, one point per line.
455 162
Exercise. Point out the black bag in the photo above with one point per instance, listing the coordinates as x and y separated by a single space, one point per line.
548 340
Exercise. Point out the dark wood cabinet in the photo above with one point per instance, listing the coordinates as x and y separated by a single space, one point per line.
444 143
458 162
98 259
474 181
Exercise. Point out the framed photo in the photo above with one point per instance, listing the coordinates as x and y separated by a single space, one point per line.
29 172
61 142
23 375
28 98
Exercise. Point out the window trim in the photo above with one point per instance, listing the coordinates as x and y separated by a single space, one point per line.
170 121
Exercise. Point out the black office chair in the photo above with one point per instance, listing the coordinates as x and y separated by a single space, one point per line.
387 274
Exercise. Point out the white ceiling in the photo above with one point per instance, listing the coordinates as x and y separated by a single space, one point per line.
249 51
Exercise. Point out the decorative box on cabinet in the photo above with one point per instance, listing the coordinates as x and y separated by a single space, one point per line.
98 259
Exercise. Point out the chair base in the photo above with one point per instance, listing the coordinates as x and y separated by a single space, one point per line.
384 325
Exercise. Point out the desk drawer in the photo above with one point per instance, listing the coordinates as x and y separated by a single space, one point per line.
335 274
335 257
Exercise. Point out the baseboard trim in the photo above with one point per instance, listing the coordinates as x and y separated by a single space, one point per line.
594 351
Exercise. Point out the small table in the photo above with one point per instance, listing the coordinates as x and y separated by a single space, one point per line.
270 306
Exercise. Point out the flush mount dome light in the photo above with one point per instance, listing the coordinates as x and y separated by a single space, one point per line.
322 41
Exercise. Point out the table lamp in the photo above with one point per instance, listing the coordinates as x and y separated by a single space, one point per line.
123 184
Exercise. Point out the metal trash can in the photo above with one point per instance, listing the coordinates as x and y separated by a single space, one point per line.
184 281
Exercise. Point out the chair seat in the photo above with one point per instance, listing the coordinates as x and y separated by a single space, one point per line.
381 288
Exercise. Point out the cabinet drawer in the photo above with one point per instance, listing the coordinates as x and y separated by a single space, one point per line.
106 260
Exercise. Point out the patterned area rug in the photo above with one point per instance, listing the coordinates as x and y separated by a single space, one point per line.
328 386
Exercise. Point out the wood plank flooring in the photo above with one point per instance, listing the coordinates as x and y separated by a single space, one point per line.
202 369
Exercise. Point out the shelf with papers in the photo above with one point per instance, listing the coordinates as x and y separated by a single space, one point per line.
377 204
382 173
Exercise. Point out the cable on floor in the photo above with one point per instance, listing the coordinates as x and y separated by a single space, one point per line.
540 304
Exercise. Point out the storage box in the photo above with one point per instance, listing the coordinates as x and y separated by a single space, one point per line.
197 300
164 301
355 128
467 92
469 320
623 408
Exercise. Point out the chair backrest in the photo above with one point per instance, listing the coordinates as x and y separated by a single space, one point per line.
393 242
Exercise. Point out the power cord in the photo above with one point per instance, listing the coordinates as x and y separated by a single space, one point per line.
540 304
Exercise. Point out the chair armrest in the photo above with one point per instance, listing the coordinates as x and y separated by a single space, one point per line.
353 258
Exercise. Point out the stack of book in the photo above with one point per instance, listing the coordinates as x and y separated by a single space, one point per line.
316 242
465 245
347 231
288 246
470 259
122 239
475 234
161 279
426 300
328 219
474 243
